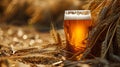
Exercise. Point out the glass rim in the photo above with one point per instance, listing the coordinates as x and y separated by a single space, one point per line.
77 15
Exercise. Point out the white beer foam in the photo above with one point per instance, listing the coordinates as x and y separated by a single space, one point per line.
77 15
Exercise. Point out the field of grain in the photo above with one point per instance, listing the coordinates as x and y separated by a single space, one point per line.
32 33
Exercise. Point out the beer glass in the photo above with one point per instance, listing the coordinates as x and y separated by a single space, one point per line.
76 27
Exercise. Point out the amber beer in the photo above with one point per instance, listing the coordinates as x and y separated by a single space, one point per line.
76 27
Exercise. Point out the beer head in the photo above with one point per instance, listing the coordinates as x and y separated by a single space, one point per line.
77 15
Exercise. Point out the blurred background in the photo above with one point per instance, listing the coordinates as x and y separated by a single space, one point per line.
19 20
38 13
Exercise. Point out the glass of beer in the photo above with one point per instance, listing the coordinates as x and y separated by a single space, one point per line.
76 27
